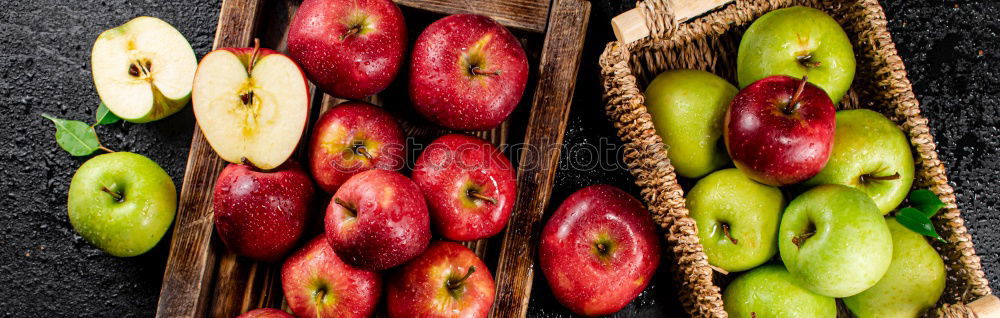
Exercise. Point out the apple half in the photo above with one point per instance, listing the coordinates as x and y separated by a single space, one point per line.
252 105
143 69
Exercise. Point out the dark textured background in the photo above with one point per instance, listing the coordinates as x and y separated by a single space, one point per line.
950 49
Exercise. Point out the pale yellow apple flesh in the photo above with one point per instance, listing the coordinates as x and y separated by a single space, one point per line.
256 117
143 69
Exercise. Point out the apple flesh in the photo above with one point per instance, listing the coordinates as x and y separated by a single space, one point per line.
797 41
468 72
266 313
317 284
688 109
251 104
770 291
349 48
872 154
143 69
737 219
447 280
262 214
377 220
469 185
122 203
834 241
913 283
599 250
354 137
779 130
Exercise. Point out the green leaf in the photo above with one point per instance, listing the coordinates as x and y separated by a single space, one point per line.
76 137
105 116
916 221
926 201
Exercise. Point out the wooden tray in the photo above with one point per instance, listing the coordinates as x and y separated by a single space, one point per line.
202 278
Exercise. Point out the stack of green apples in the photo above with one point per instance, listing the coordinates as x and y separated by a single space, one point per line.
846 172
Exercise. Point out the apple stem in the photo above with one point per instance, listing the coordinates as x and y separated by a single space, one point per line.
868 177
353 30
317 298
807 61
346 206
253 56
475 194
454 284
118 197
478 71
725 230
102 147
800 239
361 150
793 104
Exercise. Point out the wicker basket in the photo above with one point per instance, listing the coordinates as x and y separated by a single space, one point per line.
710 43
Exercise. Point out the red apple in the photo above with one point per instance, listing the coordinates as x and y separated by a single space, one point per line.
779 130
469 185
252 104
378 219
349 48
266 313
599 250
447 280
354 137
468 72
262 214
317 283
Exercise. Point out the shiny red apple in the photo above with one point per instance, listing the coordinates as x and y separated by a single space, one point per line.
348 48
317 283
353 137
469 185
266 313
599 250
468 72
447 280
779 130
378 219
262 214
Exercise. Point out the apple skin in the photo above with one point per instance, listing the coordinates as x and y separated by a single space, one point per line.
850 248
772 144
770 291
913 283
266 313
865 145
341 133
688 109
387 223
262 214
420 288
779 42
444 87
599 250
451 167
317 283
751 211
340 61
133 225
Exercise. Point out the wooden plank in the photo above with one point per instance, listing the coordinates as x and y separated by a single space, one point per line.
520 14
558 68
191 262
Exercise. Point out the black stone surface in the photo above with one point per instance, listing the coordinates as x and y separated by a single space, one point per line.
950 49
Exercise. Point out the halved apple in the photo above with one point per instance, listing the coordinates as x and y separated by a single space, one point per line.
251 104
143 69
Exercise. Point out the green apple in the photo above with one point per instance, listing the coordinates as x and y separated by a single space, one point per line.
912 285
122 203
797 42
770 291
871 154
737 219
688 108
143 69
834 241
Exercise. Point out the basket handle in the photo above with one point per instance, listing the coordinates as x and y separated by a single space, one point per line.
986 307
655 17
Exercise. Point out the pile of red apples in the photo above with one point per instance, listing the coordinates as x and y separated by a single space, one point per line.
467 72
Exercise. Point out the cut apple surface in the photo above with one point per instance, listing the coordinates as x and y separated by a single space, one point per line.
143 69
251 104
